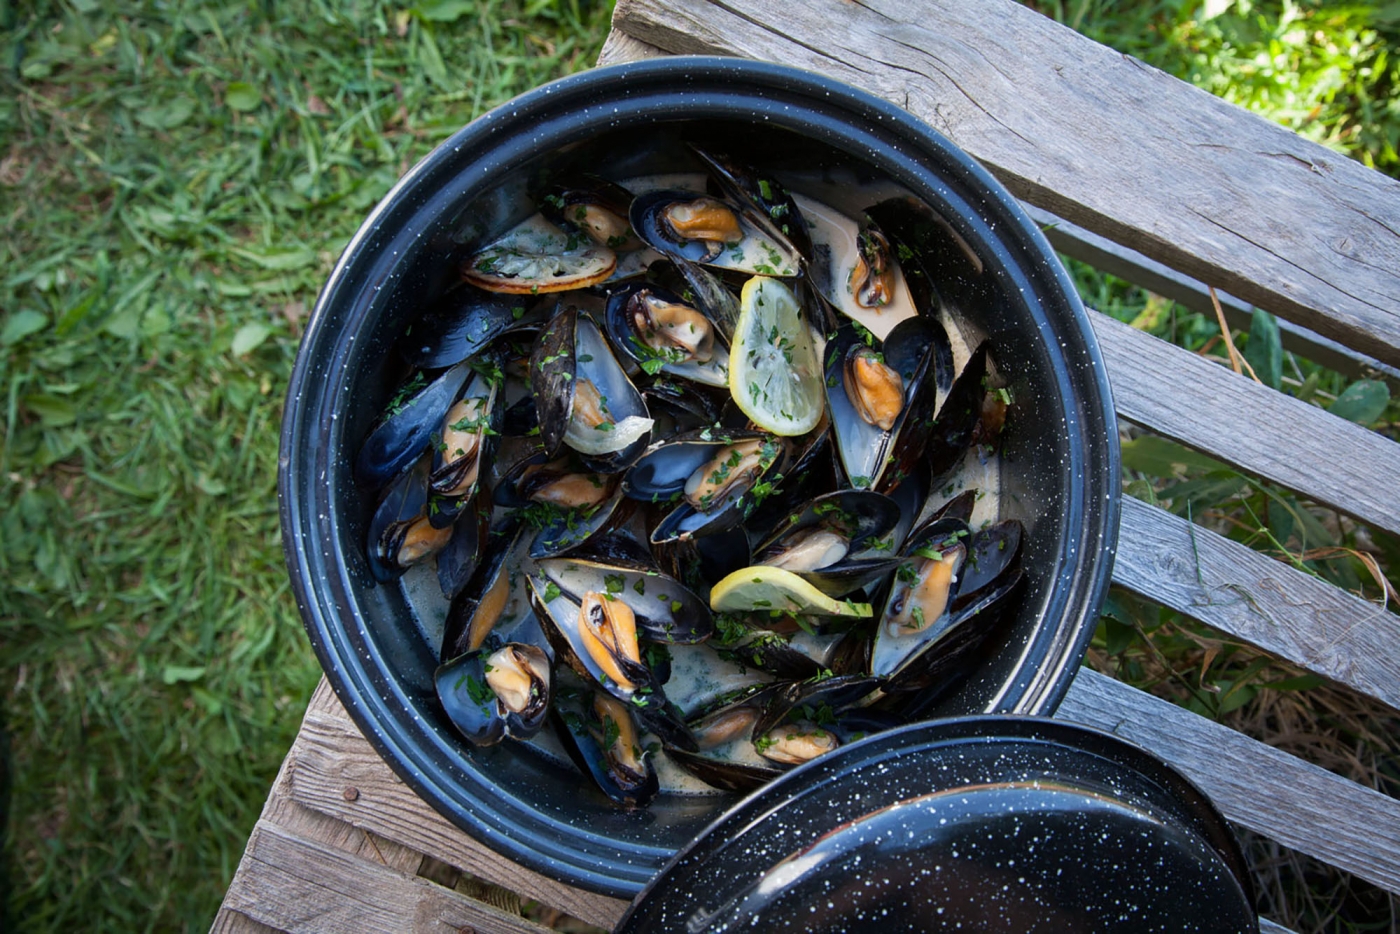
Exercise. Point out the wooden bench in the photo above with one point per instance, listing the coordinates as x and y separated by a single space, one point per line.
1144 176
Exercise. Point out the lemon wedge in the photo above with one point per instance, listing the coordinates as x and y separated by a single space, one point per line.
759 588
775 375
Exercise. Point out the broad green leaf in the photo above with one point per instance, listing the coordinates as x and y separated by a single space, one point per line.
242 97
174 674
1265 350
1363 401
21 324
166 116
444 11
53 411
248 338
125 323
288 257
1160 457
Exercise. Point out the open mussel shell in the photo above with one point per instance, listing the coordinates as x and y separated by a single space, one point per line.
704 229
597 638
536 257
569 529
415 415
459 325
603 738
773 208
820 698
665 609
465 442
400 534
664 333
839 541
940 600
490 694
485 607
457 561
583 398
677 406
594 207
712 473
881 396
950 435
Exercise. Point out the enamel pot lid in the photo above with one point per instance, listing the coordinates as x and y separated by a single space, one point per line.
1005 824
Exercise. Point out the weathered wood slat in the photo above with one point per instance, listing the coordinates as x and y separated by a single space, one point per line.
228 921
1105 255
330 757
1265 602
1294 802
1183 396
1101 139
306 886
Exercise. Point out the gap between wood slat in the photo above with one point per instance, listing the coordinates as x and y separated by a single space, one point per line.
1099 138
1226 585
1264 432
1300 805
1105 255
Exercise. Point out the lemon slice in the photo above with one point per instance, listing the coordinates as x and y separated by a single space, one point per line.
775 376
761 587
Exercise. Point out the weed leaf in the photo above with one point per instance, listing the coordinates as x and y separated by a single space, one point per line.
1363 402
1264 351
21 324
174 674
242 97
166 116
249 338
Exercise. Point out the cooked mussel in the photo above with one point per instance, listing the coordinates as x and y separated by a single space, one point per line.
536 257
839 542
665 610
414 415
490 694
597 637
583 397
946 577
704 229
665 333
603 739
400 531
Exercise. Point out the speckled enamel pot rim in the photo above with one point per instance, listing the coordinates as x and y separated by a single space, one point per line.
965 764
505 797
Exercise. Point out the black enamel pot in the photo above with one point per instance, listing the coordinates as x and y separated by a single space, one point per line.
1004 824
1059 474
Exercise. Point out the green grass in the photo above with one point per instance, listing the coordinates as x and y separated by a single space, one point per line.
177 181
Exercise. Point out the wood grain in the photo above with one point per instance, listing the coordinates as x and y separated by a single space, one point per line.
305 886
330 756
1265 602
619 48
1266 433
1100 139
228 921
1131 266
1294 802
